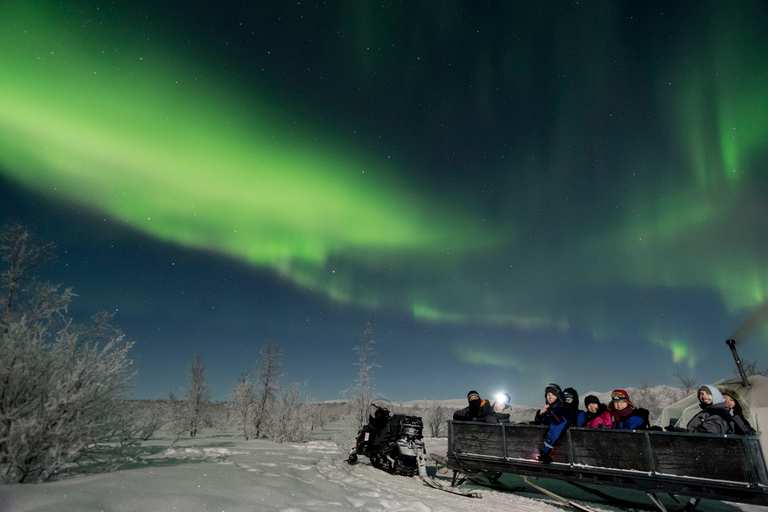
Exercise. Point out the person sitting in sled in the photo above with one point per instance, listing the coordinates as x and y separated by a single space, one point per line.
557 415
479 409
571 397
714 417
739 411
501 408
596 415
624 414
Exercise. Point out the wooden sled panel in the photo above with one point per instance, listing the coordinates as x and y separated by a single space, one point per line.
729 468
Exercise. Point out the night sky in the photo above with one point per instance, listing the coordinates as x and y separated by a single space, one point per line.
516 192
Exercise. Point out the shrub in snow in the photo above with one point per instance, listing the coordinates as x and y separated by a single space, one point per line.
62 385
290 420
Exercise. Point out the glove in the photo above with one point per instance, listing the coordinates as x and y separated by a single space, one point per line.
544 457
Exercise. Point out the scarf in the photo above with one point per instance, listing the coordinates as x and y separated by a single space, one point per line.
619 416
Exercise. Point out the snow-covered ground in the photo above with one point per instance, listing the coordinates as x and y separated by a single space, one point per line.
225 473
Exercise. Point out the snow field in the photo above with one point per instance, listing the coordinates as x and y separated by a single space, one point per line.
224 473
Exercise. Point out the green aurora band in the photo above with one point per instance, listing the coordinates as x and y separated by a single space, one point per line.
132 126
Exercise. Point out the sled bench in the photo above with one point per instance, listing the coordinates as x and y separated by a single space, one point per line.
718 467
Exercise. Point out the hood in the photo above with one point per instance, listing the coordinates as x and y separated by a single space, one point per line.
717 397
736 395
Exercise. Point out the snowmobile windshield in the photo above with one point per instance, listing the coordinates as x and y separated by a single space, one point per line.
380 407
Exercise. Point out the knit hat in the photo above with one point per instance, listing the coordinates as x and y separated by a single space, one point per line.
553 388
473 392
591 399
620 394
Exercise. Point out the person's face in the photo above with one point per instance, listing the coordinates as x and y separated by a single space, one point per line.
551 398
569 399
592 408
473 397
705 397
729 401
619 404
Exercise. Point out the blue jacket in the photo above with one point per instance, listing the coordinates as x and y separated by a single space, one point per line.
635 421
559 417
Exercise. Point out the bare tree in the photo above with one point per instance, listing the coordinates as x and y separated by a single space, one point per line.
688 385
750 368
197 394
62 385
268 384
363 388
437 417
318 413
242 404
22 253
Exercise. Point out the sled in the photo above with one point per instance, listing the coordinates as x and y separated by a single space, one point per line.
717 467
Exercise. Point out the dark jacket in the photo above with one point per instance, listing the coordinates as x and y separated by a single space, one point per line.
740 412
477 410
558 417
575 411
714 418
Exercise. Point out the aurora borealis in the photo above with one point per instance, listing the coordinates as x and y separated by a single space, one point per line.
518 193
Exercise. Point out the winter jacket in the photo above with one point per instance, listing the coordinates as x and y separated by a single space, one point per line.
503 415
742 427
558 417
599 419
575 411
740 412
635 419
714 418
478 410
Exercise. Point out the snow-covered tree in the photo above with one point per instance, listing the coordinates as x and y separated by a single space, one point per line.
268 384
290 420
62 385
242 403
362 391
196 394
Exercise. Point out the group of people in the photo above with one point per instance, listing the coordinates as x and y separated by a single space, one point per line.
723 411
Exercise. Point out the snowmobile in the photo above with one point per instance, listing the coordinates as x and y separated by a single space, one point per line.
392 442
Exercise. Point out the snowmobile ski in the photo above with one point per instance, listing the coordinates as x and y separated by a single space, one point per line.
559 498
